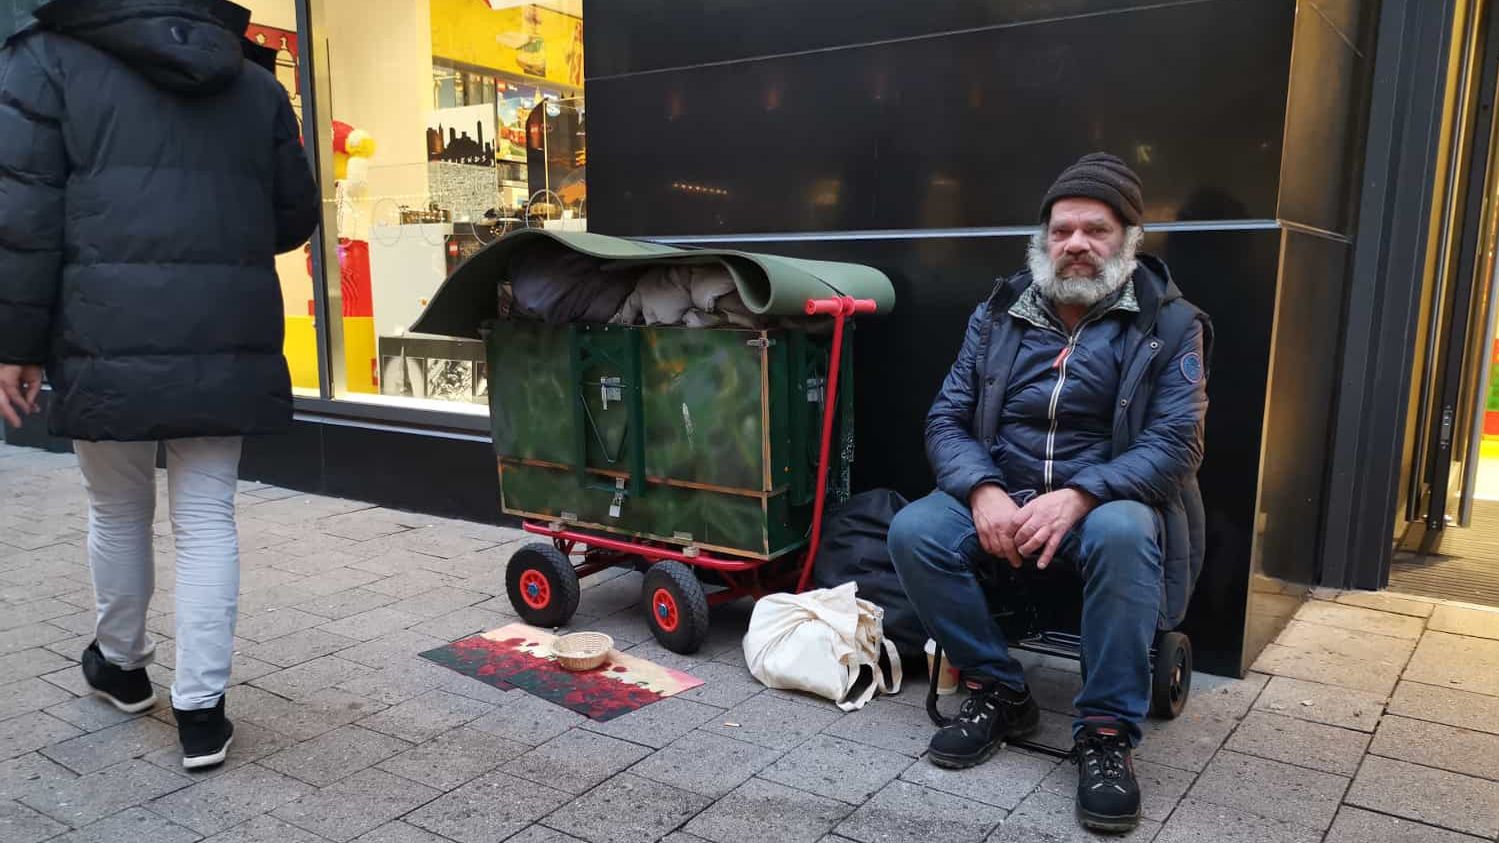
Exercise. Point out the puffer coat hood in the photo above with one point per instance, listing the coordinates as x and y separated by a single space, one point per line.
188 47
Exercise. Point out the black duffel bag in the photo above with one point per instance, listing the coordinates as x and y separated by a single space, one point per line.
853 548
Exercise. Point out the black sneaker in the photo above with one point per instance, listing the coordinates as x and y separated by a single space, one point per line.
1108 797
128 690
992 714
205 734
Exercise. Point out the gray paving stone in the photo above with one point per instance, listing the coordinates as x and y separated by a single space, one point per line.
1456 661
1204 822
1448 705
307 678
1186 743
759 811
87 799
300 647
252 742
400 832
1161 787
903 811
491 807
1366 647
275 623
626 809
320 712
28 695
724 686
451 759
364 525
30 732
69 679
358 804
837 768
462 623
78 623
342 604
220 803
410 583
391 649
91 713
1435 745
575 761
35 661
1436 797
37 611
131 825
1460 620
659 723
1305 744
438 602
528 720
372 624
542 834
1329 704
20 824
265 829
1360 619
1271 789
1328 668
705 763
887 725
108 747
1383 601
390 562
335 755
1003 781
1054 690
31 775
1225 697
1046 817
772 722
1355 825
427 716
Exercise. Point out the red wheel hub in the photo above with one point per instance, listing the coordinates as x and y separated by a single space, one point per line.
664 610
535 590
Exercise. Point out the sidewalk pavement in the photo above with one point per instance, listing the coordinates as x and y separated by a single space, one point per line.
1374 717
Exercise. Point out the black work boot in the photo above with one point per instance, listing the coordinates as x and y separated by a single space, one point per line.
205 734
1108 797
992 714
128 690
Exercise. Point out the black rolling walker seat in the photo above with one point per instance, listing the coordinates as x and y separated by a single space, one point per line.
1033 608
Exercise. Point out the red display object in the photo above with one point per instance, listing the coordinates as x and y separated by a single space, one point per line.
354 278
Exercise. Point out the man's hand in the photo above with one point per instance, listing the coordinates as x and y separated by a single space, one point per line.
19 388
993 512
1042 524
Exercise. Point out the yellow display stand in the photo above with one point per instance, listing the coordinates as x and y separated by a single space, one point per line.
359 353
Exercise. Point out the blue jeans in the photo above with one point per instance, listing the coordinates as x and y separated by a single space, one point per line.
1117 552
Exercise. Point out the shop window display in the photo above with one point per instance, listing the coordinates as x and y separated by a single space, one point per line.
449 122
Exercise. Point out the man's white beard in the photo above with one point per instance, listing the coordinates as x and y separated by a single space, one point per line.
1082 290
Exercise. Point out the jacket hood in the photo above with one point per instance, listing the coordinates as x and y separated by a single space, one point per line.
189 47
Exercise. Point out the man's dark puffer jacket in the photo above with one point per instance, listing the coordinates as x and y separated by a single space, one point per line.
149 175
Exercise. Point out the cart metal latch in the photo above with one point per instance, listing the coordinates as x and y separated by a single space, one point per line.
762 342
617 505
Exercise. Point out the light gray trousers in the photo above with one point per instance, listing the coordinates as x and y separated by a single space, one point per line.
202 478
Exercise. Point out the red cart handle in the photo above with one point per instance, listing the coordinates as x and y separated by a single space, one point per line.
841 306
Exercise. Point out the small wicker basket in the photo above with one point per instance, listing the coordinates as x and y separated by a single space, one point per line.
582 650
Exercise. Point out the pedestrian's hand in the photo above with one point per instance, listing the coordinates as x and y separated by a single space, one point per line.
19 388
1041 525
993 512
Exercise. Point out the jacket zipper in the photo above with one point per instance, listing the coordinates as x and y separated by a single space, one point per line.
1060 364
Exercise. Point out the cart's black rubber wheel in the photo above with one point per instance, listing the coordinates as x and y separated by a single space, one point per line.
675 606
542 585
1171 675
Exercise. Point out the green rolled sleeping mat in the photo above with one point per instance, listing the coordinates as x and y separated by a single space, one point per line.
699 437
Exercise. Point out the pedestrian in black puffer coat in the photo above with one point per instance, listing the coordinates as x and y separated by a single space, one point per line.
149 174
148 177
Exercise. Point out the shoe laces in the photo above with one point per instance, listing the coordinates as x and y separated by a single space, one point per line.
1102 756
